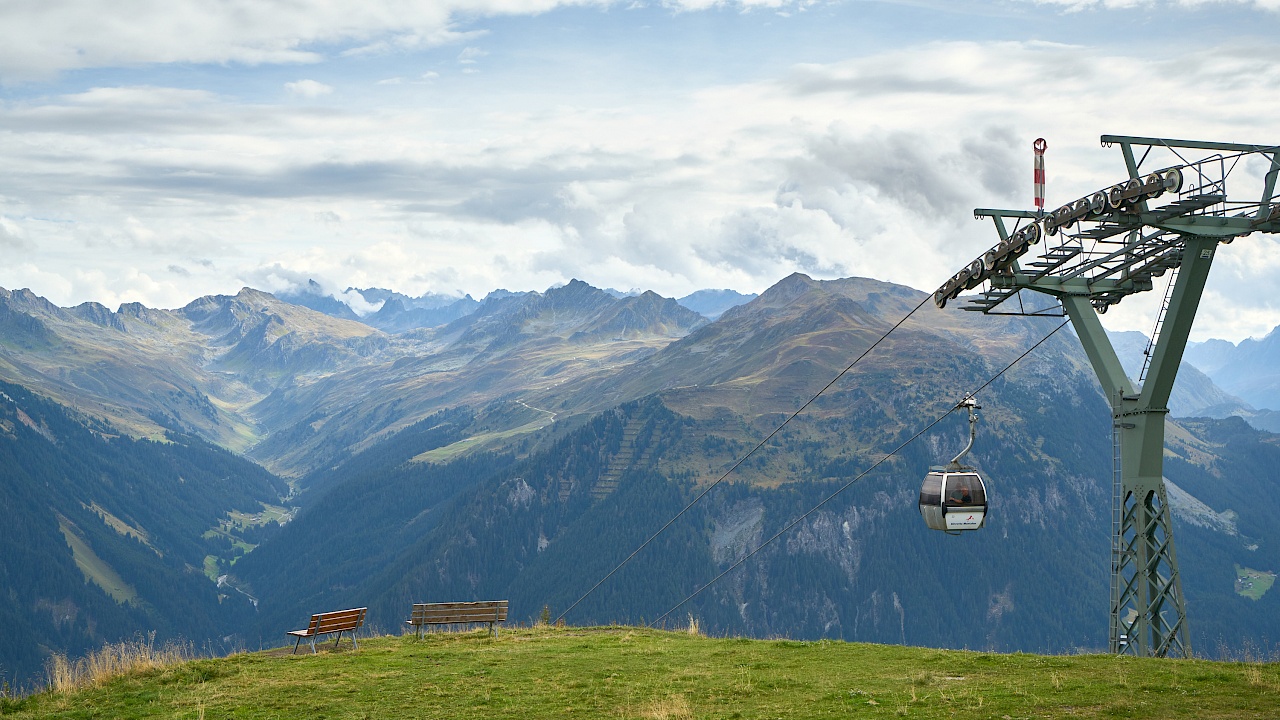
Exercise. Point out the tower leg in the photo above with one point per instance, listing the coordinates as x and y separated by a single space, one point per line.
1148 613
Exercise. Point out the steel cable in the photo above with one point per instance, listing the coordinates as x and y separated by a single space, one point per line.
847 485
744 458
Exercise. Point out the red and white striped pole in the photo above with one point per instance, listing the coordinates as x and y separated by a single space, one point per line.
1039 146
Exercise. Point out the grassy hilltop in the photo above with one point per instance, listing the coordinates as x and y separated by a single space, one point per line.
622 672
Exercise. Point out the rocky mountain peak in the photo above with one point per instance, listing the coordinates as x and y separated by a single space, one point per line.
391 306
714 303
578 293
27 301
98 314
252 296
781 294
137 311
312 295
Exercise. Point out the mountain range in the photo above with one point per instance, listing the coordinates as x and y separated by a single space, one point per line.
395 312
522 445
1196 393
1248 369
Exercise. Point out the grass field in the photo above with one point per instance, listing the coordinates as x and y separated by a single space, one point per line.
620 672
270 513
235 523
454 450
95 569
1253 584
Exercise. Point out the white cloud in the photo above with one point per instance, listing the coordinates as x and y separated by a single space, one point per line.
470 55
307 88
695 5
38 40
425 78
357 303
140 96
405 42
867 166
12 236
1125 4
53 285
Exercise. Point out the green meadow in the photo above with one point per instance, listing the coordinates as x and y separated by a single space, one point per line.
623 672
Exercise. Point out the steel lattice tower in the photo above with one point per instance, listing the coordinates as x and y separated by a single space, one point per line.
1100 249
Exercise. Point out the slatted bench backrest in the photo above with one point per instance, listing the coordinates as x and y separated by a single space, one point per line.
337 621
486 611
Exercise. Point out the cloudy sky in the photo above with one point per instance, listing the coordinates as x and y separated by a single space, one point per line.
158 150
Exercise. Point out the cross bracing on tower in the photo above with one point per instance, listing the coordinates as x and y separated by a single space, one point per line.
1179 201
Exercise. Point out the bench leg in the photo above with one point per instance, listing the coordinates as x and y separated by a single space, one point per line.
337 640
295 645
313 644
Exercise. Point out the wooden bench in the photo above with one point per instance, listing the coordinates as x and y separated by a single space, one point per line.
458 613
339 621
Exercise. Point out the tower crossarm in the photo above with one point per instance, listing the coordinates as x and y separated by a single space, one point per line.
1122 140
1111 243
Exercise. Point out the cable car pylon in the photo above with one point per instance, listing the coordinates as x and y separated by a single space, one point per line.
1108 246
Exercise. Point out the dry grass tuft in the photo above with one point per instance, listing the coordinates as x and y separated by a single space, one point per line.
113 660
693 625
675 707
922 679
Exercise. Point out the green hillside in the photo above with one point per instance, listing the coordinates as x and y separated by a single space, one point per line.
623 672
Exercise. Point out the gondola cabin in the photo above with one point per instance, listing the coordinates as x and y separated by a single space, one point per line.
953 501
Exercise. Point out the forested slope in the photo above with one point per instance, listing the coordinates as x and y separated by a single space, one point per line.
101 535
